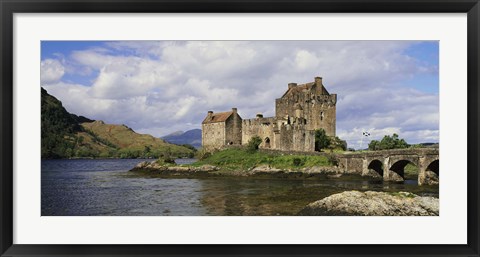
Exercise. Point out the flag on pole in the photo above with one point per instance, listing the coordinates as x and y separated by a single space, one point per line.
366 134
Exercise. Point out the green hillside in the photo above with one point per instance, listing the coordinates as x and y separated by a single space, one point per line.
131 144
66 135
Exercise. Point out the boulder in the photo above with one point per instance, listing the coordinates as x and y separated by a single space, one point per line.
393 176
355 203
142 165
373 174
207 168
431 178
264 169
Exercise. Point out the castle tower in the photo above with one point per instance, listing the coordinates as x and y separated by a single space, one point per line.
312 102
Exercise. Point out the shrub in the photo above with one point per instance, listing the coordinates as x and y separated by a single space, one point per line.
202 154
165 160
333 160
298 162
253 144
337 143
388 142
321 140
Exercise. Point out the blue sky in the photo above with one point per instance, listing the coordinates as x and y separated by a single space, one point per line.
158 87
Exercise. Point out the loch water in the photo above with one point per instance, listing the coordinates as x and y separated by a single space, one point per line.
106 188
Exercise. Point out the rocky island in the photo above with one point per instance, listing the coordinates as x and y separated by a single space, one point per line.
242 163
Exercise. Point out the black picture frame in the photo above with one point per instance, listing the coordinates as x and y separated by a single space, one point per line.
9 7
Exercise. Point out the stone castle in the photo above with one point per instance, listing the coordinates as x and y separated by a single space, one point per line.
300 111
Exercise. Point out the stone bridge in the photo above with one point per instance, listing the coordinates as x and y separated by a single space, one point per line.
390 164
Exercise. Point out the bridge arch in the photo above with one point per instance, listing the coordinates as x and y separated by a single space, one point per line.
399 167
424 164
434 167
377 166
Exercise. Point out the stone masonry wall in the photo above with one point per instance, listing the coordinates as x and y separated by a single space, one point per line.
318 109
303 140
262 127
233 128
213 135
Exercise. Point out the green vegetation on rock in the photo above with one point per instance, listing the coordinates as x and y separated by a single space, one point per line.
403 194
237 159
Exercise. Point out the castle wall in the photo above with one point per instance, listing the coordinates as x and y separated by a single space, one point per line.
295 138
303 140
262 127
286 138
213 135
233 128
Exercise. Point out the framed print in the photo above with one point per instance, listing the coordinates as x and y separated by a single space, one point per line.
239 128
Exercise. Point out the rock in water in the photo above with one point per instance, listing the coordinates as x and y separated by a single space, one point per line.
431 178
355 203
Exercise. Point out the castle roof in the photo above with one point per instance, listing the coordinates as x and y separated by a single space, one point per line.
301 88
217 117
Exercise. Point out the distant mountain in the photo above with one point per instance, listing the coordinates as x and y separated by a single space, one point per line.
192 137
66 135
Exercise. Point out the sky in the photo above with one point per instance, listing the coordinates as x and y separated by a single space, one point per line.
160 87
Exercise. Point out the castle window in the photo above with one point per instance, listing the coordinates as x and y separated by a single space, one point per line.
321 115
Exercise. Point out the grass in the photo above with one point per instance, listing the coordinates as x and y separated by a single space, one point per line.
239 159
410 171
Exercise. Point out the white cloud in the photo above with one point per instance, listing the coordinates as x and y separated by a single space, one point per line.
304 60
51 71
161 87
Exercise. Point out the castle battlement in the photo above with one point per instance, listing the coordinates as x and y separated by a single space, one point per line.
260 121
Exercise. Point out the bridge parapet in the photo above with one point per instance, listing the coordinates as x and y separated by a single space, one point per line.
390 164
406 151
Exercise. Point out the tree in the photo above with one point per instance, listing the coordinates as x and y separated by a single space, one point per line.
337 143
374 145
254 143
321 140
80 140
146 151
388 142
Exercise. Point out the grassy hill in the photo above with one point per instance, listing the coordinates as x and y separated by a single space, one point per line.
66 135
131 144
